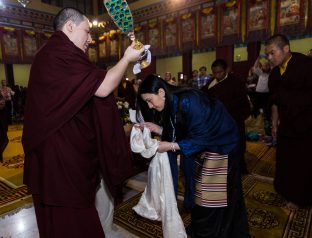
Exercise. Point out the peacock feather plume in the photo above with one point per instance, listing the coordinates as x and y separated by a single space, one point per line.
120 13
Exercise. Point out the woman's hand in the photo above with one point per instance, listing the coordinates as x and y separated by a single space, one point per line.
152 127
165 146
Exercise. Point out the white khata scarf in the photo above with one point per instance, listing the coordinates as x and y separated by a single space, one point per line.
158 201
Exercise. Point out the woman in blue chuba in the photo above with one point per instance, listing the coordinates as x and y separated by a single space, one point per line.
201 130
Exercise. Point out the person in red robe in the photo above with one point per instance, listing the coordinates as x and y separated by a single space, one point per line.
290 87
233 93
72 129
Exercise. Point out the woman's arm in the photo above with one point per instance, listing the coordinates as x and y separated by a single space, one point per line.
165 146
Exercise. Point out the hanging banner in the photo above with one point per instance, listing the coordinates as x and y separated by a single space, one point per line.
113 45
170 35
291 17
30 45
230 23
43 38
10 43
92 52
140 33
207 27
258 20
153 36
188 31
103 46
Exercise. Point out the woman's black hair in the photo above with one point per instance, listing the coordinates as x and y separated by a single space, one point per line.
152 84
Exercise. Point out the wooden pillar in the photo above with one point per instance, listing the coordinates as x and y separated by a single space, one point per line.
227 53
187 63
253 49
8 68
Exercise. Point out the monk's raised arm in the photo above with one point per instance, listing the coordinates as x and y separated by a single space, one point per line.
115 74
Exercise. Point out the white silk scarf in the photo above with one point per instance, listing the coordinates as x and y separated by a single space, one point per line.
158 201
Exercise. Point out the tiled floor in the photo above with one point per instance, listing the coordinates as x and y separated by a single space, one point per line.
22 224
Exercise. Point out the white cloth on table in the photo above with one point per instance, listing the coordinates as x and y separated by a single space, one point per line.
158 201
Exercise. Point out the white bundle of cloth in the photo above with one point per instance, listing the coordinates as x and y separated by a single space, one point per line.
158 201
137 66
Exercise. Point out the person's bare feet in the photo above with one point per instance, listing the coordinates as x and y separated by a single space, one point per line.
292 206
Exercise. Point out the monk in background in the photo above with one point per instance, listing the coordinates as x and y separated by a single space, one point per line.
290 87
232 92
72 129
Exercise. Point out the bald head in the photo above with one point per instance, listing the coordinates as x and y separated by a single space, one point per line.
65 15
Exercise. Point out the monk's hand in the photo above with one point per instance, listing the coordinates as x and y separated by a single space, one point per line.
133 55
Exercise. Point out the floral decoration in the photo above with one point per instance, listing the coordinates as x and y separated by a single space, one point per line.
123 108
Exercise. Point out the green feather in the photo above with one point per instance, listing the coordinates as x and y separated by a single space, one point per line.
120 13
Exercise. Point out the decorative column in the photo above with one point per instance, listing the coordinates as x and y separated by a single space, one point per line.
253 49
227 53
187 63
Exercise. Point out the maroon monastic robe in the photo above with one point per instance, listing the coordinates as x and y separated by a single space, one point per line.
233 94
70 135
292 93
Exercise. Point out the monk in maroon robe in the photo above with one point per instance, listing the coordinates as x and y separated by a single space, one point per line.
290 86
72 130
233 93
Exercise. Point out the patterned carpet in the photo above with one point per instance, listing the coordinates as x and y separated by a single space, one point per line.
13 194
125 217
9 194
12 197
268 216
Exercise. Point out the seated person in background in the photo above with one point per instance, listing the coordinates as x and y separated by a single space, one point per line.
184 81
195 79
169 79
204 78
